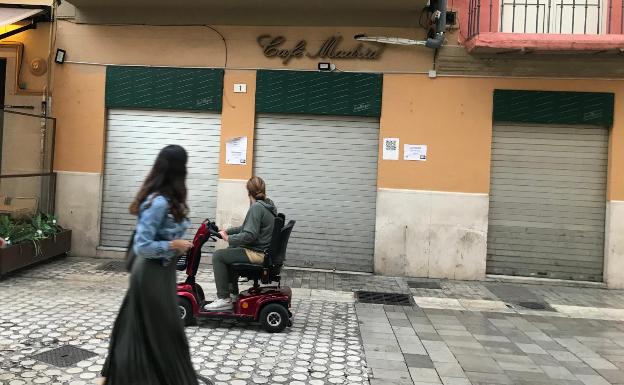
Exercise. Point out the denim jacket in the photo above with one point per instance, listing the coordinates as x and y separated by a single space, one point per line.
155 228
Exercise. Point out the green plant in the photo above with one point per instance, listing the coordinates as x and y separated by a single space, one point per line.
35 229
45 226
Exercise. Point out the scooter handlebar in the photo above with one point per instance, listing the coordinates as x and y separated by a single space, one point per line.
215 234
213 229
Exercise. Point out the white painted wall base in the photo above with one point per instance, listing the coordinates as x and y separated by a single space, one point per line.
431 234
614 245
78 209
232 204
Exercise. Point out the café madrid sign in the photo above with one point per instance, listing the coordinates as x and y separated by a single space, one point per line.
275 46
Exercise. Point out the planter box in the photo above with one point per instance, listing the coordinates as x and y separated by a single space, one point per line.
19 256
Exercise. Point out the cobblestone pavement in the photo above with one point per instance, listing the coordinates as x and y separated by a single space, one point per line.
72 302
453 333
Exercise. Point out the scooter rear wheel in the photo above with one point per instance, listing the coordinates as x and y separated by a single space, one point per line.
186 311
274 318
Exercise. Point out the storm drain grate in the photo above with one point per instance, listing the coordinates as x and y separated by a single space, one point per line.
64 356
424 285
114 266
536 306
384 298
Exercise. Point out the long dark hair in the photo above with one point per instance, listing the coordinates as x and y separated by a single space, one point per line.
167 178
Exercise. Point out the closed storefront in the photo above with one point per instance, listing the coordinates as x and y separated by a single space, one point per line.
322 171
135 135
319 159
548 187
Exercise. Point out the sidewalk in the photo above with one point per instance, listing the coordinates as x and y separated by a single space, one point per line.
484 333
449 332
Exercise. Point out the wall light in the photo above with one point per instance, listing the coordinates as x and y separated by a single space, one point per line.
60 56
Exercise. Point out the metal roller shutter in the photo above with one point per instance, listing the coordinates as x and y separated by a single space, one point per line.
322 172
548 201
134 138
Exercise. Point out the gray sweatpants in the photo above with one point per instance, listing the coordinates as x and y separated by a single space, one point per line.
221 261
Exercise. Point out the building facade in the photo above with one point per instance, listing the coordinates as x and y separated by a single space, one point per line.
500 153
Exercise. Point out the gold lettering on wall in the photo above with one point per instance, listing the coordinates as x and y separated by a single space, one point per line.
275 46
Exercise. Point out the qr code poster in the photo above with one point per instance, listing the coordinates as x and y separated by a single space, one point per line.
391 149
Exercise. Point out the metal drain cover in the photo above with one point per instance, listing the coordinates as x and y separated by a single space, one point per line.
115 266
535 306
424 285
384 298
64 356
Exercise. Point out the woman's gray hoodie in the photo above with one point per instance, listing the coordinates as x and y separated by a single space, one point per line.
257 228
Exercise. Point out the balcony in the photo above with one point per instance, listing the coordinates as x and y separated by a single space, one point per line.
545 26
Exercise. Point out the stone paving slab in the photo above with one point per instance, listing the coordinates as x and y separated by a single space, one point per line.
478 291
498 348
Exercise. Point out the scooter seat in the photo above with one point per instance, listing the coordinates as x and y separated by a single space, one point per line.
248 270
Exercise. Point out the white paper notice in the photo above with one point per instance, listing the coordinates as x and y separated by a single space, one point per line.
236 150
391 149
415 152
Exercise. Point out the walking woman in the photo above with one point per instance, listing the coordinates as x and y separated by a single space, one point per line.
148 345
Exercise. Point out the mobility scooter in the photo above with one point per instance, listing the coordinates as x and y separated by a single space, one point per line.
268 305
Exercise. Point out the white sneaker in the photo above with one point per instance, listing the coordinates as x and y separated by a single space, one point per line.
220 304
234 297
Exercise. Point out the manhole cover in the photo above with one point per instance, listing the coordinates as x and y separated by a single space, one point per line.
115 266
424 285
535 306
64 356
384 298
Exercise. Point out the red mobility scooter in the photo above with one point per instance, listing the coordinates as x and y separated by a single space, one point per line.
268 305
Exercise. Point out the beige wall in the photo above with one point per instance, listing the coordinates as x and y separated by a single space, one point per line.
431 234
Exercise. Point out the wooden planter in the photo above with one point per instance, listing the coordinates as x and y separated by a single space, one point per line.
19 256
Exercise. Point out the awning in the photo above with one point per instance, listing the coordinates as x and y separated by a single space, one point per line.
14 15
29 14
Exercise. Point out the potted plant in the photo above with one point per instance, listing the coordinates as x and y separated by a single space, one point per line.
31 240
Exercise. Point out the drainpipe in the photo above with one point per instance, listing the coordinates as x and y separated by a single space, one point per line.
438 39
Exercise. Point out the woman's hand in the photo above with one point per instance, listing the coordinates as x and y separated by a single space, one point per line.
181 245
224 235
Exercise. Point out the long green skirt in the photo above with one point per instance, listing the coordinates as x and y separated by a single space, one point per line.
148 345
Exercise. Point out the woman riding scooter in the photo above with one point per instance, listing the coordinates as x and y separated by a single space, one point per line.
247 243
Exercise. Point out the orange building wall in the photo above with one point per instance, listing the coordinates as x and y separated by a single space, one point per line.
453 116
78 106
238 119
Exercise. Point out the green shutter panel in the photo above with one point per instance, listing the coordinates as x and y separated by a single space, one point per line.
550 107
164 88
319 93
